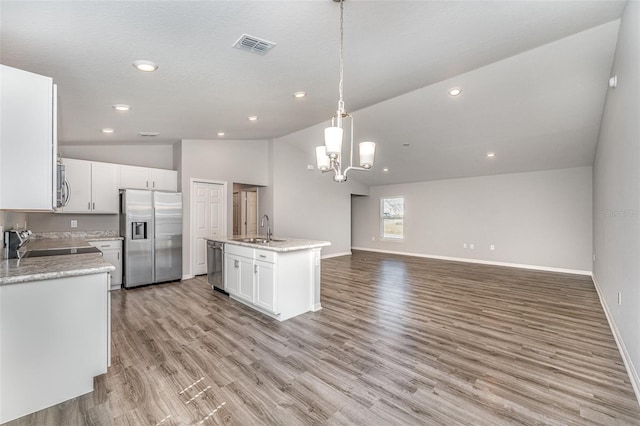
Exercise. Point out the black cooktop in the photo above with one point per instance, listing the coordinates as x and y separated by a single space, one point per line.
60 252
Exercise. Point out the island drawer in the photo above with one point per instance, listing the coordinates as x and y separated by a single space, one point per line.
266 256
239 250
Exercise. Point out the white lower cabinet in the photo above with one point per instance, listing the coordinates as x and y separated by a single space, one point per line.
112 253
239 276
278 284
266 295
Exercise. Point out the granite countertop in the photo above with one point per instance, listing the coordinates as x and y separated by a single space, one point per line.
45 268
282 245
49 267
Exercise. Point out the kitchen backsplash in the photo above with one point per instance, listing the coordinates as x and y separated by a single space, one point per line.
77 234
56 222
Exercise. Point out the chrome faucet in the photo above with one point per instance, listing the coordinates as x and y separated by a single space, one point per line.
268 226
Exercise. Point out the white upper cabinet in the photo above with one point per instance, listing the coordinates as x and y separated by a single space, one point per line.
28 141
164 180
92 186
134 177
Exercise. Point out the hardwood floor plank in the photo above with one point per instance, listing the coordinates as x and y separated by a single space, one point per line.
400 340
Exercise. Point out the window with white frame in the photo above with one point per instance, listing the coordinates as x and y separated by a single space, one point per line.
392 218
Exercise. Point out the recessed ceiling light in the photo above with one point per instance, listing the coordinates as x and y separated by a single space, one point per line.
253 117
220 133
491 155
146 66
148 133
299 94
122 107
107 130
455 91
385 170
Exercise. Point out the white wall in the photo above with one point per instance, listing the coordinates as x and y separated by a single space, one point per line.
157 156
538 219
308 204
616 182
242 161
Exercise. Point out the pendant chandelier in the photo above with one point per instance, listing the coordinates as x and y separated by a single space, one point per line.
328 156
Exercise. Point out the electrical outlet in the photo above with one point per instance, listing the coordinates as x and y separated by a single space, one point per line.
373 238
471 246
619 299
464 245
492 247
74 223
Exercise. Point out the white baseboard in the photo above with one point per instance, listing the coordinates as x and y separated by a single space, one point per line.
345 253
316 307
187 277
484 262
626 358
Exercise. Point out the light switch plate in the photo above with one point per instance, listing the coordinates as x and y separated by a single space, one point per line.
74 223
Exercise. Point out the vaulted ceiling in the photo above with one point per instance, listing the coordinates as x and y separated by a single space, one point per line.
533 74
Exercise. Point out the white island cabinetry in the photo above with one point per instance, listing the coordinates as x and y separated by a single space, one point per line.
279 279
54 339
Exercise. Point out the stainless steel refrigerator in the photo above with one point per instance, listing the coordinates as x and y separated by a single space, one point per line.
151 225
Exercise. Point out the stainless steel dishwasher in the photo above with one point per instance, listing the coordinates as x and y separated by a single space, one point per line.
215 265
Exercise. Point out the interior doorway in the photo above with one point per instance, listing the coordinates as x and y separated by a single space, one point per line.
208 219
245 209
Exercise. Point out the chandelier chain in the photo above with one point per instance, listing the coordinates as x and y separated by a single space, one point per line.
340 85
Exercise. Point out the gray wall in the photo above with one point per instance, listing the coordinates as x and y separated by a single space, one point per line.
309 204
158 156
12 220
242 161
616 182
52 222
539 219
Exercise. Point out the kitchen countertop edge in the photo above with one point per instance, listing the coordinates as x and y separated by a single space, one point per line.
13 271
288 244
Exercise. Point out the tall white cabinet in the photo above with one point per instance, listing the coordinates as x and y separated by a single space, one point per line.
28 141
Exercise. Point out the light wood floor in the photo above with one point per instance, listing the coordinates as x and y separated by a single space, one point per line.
400 340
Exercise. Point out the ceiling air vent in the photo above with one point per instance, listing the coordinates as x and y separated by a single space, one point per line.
253 44
148 133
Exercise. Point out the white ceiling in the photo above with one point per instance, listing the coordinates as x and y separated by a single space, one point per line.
533 74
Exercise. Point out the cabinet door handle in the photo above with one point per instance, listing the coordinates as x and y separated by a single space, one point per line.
147 184
154 184
89 205
236 264
94 206
118 257
263 256
255 269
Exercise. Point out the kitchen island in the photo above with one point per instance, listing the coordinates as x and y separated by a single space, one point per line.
54 330
280 278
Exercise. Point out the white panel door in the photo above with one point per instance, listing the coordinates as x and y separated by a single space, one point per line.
216 202
252 213
208 221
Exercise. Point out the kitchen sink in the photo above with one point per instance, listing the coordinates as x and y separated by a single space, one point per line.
258 240
254 240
